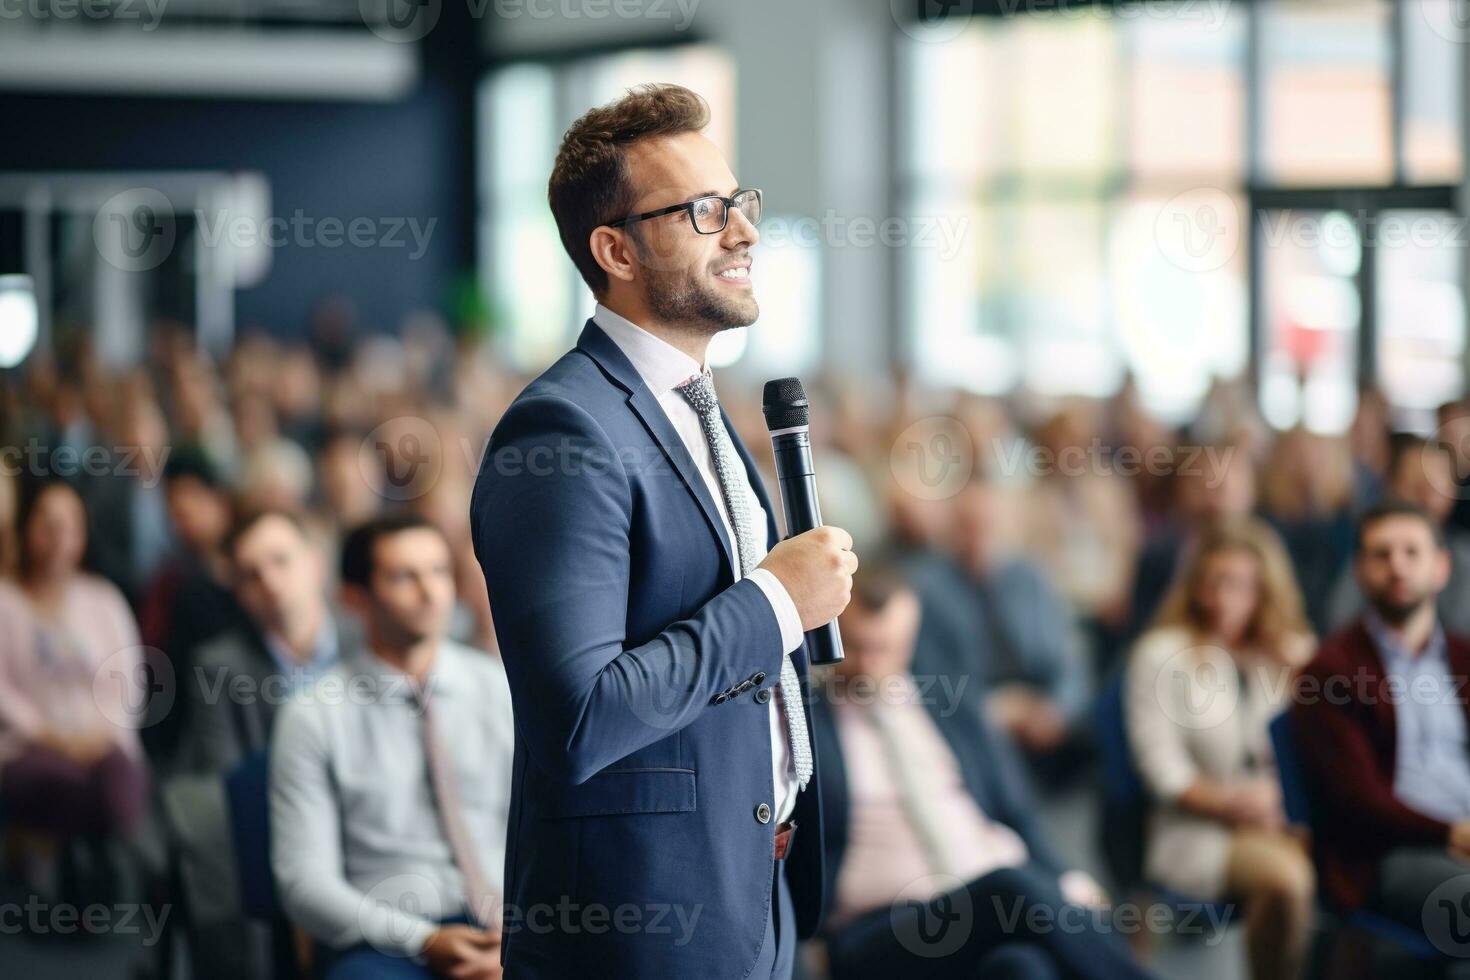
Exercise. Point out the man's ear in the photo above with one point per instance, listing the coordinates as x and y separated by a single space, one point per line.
1443 565
613 251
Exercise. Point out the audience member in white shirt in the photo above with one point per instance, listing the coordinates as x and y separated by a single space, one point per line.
390 777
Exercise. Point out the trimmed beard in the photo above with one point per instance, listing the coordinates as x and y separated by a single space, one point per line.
1397 613
677 297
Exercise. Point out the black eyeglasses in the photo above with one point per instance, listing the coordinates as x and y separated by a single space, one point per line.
708 215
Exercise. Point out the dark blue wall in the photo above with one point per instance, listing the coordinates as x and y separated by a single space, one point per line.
408 159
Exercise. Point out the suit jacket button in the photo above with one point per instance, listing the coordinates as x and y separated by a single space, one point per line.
763 695
721 698
758 677
763 813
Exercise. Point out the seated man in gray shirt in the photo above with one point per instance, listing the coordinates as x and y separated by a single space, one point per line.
390 777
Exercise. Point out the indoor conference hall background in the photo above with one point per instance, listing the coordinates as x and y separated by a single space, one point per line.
1134 340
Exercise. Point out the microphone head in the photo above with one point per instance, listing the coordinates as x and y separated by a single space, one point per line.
784 404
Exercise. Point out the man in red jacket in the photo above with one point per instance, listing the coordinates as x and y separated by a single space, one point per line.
1381 719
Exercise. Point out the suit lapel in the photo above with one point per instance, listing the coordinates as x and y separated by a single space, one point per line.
601 348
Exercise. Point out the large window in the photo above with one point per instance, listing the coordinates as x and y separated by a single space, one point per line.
1149 186
537 301
1074 142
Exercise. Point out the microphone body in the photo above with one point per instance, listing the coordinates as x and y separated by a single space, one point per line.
785 409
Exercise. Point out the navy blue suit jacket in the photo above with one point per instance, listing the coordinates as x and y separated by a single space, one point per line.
989 767
635 846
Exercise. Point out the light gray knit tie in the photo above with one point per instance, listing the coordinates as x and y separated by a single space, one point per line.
699 391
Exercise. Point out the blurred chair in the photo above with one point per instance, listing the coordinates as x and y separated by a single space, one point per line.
1125 810
247 793
1298 804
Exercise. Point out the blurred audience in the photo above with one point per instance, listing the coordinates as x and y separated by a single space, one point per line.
126 505
1307 495
1202 685
924 812
1087 523
1381 721
291 637
189 601
1083 520
70 693
1210 482
1422 473
1006 629
390 778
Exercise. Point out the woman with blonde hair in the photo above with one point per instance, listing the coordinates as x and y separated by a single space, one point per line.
1202 686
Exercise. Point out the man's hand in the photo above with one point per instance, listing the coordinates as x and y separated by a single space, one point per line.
816 568
1256 803
1028 716
463 953
1460 840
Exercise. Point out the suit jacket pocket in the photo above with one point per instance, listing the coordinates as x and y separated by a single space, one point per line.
615 791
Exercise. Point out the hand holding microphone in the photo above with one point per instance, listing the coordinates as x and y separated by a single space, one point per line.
815 563
816 568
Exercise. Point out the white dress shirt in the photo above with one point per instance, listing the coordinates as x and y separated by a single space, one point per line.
356 841
662 367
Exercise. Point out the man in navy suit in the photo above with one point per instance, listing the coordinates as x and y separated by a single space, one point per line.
650 623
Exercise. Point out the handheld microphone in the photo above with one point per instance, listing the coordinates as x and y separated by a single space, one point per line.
785 407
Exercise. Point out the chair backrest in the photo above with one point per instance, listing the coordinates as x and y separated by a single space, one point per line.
1289 769
1124 812
247 790
1121 783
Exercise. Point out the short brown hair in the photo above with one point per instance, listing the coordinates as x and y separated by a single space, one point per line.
590 183
876 582
246 520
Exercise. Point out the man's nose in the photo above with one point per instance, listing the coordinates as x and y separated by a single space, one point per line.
738 230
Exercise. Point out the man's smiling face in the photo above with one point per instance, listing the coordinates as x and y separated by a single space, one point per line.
686 277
